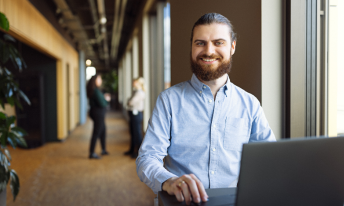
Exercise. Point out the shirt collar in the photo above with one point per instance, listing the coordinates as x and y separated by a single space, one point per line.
200 86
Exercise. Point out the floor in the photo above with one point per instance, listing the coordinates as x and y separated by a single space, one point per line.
60 173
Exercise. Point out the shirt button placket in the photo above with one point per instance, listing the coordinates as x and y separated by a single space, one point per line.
214 137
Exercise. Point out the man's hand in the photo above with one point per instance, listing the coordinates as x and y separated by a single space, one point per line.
186 187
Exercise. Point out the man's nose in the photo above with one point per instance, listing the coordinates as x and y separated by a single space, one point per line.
209 49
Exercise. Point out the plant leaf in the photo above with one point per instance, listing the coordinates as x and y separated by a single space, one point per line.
1 159
3 138
7 178
12 143
18 57
8 154
2 104
2 115
3 174
10 100
4 54
4 24
2 185
14 184
4 177
10 120
7 71
4 162
17 138
13 56
17 103
19 130
24 97
8 37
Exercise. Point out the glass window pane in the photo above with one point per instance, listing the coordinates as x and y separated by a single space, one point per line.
340 67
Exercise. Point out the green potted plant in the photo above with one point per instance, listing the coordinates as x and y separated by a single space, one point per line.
110 82
10 94
110 85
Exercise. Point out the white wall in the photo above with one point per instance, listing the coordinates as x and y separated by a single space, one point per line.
272 64
298 69
120 83
146 69
128 77
135 57
332 67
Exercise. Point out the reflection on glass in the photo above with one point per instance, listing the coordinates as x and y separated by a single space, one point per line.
167 46
340 66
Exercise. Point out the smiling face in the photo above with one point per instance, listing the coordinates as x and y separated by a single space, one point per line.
211 51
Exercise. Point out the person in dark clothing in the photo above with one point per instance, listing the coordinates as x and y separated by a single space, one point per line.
98 102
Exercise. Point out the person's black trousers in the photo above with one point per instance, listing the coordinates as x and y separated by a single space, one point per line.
135 125
99 129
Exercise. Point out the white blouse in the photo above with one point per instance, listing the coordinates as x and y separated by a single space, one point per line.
137 101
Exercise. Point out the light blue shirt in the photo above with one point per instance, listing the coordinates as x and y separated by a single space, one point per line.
198 135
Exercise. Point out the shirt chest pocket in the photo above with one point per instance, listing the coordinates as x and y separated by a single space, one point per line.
237 132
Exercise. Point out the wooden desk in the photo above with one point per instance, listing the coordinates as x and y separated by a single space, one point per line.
169 200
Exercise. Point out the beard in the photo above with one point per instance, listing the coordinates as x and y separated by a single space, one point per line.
209 72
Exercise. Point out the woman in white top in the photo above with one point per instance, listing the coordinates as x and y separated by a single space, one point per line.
135 109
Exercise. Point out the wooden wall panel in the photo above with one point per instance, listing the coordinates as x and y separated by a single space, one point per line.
28 25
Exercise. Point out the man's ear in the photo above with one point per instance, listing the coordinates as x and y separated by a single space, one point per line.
233 47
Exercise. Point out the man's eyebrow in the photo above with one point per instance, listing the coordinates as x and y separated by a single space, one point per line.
219 40
211 40
199 40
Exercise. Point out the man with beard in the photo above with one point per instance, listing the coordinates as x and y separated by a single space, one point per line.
199 126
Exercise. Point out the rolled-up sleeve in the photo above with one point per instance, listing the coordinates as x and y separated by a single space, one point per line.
260 130
149 163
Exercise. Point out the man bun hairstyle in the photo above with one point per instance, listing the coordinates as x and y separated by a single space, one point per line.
211 18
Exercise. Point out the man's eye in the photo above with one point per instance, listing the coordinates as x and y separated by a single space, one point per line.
218 43
200 44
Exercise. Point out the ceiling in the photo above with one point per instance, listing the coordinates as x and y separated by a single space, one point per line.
79 21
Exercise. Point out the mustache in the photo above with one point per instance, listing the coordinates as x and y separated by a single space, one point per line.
208 72
209 56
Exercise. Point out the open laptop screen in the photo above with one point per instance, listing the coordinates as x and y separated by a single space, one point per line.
292 172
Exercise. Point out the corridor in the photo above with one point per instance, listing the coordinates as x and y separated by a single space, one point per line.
60 173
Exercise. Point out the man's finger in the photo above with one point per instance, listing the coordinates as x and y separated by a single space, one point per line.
193 188
201 190
186 193
179 195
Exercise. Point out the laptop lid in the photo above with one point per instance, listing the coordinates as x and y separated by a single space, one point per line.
292 172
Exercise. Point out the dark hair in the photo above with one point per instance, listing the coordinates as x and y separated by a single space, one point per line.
91 85
211 18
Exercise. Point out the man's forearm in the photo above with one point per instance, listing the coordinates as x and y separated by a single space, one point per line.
152 172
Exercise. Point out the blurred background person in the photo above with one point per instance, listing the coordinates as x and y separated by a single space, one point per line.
98 103
135 108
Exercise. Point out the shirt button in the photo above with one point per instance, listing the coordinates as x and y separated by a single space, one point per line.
214 149
204 87
214 125
212 172
200 92
210 101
